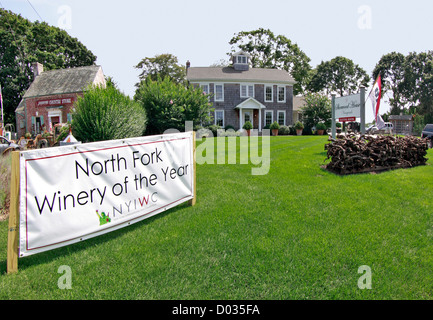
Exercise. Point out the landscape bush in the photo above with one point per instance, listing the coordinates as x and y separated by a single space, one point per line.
169 105
107 114
284 131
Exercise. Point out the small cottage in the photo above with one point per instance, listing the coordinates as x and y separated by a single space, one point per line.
402 124
50 98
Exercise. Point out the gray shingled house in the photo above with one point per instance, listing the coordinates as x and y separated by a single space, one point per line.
51 96
240 93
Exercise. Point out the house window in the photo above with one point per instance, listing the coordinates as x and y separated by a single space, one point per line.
219 118
219 92
247 90
281 117
281 94
242 59
205 88
268 118
269 93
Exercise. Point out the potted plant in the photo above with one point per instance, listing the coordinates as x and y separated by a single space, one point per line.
247 127
299 127
320 127
275 127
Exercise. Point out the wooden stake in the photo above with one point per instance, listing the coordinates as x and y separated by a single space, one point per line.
12 256
193 200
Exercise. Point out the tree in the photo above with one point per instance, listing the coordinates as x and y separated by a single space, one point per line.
391 68
277 52
23 42
339 75
107 114
317 110
168 104
163 65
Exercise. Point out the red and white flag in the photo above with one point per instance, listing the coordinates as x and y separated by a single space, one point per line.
375 96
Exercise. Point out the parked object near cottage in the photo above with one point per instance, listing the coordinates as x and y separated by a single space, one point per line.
427 133
7 146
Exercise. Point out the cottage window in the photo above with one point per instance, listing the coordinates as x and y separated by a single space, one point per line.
219 118
281 94
219 92
268 118
242 59
269 93
247 91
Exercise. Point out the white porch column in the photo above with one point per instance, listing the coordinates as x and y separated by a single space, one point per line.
260 119
240 119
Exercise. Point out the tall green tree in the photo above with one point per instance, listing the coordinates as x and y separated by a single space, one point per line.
163 65
339 75
168 105
23 42
268 50
317 110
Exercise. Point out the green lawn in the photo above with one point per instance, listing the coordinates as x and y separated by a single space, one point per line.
297 232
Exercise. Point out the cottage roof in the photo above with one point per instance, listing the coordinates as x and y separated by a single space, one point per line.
61 81
401 117
229 74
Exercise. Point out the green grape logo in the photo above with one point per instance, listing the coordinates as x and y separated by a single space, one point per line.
103 218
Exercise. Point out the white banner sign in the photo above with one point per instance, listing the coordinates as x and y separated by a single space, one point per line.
72 193
348 106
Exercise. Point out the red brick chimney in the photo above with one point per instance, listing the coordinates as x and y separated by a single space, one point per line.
38 68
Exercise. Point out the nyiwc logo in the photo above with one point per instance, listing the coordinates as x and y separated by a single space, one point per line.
103 218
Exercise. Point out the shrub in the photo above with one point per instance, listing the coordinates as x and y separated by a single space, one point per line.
284 131
299 125
320 126
214 128
229 127
247 126
275 126
169 105
107 114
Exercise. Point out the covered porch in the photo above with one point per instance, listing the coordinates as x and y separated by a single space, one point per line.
250 110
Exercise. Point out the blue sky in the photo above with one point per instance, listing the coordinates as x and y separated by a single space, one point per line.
121 33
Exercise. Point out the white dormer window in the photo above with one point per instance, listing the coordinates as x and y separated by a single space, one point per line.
241 59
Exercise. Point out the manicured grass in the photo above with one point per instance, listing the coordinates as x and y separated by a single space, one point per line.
298 232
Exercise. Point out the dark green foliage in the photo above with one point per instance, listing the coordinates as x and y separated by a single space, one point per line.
268 50
23 42
107 114
169 105
339 75
317 109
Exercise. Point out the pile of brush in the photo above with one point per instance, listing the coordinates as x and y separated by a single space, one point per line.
365 153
